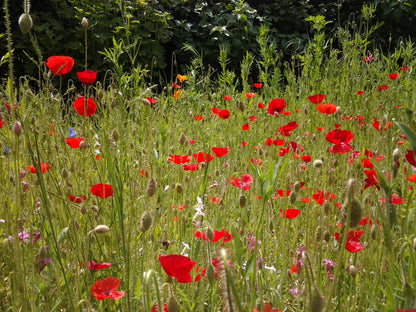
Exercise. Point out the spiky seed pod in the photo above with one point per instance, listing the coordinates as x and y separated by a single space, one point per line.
210 273
242 201
179 188
352 270
356 212
25 23
173 304
84 23
316 303
115 135
151 188
317 163
17 128
182 139
146 221
397 154
101 229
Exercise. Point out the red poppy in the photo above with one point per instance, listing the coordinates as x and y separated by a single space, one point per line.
106 289
286 129
203 157
317 98
368 59
192 167
220 151
261 105
60 65
326 108
410 157
198 118
74 142
102 190
253 118
267 308
294 147
227 98
405 68
151 100
177 266
247 181
289 213
276 107
258 85
250 95
321 196
1 123
224 114
87 77
43 167
176 86
407 310
98 266
215 200
215 111
372 179
353 241
84 107
360 92
340 138
246 127
383 87
155 308
179 159
77 199
366 163
394 76
306 158
223 235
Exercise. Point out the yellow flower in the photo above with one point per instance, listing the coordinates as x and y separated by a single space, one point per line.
182 78
177 94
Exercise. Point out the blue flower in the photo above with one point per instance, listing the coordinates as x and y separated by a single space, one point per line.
6 150
72 133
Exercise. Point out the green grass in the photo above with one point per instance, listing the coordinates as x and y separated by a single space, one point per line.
135 140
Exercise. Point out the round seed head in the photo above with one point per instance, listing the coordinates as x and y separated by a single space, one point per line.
101 229
151 188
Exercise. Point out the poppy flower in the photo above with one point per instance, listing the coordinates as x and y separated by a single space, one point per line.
321 196
106 289
177 94
192 167
257 85
102 190
220 151
227 98
286 129
77 199
261 105
289 213
410 157
317 98
217 236
74 142
215 200
360 92
306 158
405 68
276 106
243 183
246 127
182 78
326 108
372 179
368 59
1 123
394 76
8 107
383 87
43 167
250 95
253 118
179 159
155 308
224 114
267 308
198 118
177 266
366 163
176 86
203 157
85 107
87 77
340 138
353 241
60 65
98 266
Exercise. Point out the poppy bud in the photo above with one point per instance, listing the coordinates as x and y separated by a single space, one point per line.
179 188
271 225
297 186
240 106
327 236
356 212
210 234
397 154
151 188
95 208
318 233
84 23
305 109
25 23
316 303
210 273
327 207
83 210
146 102
317 163
338 111
243 201
17 128
352 270
100 94
292 197
173 304
101 229
182 139
146 221
395 169
115 135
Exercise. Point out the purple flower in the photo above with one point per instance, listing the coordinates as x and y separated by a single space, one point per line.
36 237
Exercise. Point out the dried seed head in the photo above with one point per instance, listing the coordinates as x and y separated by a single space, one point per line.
17 128
151 188
101 229
317 163
84 23
173 304
316 303
146 221
25 23
83 145
397 154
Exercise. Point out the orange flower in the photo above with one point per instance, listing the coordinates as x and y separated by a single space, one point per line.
177 94
182 78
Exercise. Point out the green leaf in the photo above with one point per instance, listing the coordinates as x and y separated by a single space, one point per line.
409 133
238 245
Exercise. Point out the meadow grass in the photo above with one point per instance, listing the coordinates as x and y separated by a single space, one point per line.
141 149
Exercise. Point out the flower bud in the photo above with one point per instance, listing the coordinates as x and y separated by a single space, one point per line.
84 23
242 201
352 270
316 303
318 163
101 229
25 23
17 128
292 197
210 273
173 304
115 135
397 154
146 221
